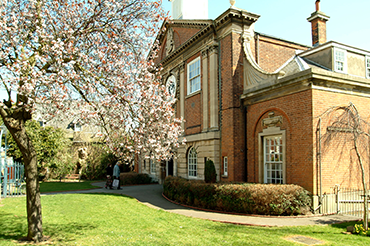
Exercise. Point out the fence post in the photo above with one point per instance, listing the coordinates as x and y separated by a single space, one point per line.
5 181
1 178
337 197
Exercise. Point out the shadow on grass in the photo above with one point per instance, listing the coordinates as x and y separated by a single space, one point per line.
65 234
12 226
345 224
15 228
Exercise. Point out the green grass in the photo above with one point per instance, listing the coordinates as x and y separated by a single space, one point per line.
65 186
109 219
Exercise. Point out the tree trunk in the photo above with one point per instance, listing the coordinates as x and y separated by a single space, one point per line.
34 218
366 209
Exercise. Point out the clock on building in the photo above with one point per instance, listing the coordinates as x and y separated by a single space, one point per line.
171 86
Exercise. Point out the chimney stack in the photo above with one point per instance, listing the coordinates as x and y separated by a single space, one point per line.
189 9
318 21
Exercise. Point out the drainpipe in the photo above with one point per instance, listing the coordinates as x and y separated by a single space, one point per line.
320 210
220 98
245 114
219 92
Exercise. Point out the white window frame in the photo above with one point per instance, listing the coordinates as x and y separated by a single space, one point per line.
77 127
195 79
225 162
268 132
192 163
273 155
343 62
152 166
367 66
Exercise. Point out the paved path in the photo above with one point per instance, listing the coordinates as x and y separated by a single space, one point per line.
151 195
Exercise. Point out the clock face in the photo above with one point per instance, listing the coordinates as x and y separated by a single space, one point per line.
171 86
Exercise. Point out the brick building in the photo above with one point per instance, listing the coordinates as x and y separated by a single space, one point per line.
252 102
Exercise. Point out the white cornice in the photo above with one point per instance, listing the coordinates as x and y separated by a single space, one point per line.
337 45
318 14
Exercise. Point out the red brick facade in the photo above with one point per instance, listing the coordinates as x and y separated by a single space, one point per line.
296 111
339 161
273 51
294 102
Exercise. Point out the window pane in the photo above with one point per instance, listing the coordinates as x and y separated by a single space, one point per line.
273 159
192 163
339 60
194 76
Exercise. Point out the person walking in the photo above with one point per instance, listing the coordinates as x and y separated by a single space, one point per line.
116 174
109 171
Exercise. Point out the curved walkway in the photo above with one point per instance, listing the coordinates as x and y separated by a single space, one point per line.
151 195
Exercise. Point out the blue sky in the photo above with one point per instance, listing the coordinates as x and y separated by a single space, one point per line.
287 19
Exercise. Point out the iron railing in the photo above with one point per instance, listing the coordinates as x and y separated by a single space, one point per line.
12 179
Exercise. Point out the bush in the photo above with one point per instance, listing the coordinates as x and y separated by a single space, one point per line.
93 167
52 149
360 230
266 199
108 158
210 175
62 166
135 178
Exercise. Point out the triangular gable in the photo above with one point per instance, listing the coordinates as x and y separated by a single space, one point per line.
175 33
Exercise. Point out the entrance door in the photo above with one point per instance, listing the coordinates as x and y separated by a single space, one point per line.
170 167
273 159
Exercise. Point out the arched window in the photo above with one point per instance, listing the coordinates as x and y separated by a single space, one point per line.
192 163
152 166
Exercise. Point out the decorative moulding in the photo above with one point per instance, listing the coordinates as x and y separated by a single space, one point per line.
272 120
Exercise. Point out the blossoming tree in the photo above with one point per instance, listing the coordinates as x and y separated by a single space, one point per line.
86 54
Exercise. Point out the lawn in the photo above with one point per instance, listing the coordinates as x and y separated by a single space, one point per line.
46 187
110 219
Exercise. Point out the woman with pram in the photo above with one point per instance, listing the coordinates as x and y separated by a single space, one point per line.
109 170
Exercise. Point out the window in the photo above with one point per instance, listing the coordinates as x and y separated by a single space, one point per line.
152 166
340 60
368 67
225 165
194 76
273 159
77 127
192 163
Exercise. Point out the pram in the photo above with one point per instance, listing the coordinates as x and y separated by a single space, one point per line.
109 182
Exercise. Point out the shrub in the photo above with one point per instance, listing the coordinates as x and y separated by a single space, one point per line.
360 230
267 199
210 175
62 166
93 167
135 178
108 158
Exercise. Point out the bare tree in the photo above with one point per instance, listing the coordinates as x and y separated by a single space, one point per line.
347 129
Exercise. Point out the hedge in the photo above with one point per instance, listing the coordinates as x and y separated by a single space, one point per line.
264 199
133 178
210 174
